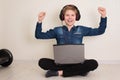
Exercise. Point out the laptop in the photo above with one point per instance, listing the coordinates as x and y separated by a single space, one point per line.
68 54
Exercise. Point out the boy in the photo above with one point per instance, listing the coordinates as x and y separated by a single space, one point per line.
69 34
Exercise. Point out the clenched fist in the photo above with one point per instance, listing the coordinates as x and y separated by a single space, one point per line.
102 11
41 16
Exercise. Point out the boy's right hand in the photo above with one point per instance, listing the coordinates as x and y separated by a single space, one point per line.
41 16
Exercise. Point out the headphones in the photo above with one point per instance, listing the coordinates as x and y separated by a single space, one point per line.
61 15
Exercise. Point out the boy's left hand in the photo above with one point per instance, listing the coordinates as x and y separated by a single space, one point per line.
102 11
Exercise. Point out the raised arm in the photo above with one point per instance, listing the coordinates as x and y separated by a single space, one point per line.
102 26
38 32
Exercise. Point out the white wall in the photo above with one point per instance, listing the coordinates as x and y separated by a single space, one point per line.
19 19
1 24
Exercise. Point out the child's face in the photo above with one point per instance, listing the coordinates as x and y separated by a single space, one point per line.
70 18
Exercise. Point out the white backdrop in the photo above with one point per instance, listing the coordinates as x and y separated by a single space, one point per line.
18 22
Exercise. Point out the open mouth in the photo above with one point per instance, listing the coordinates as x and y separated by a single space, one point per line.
70 21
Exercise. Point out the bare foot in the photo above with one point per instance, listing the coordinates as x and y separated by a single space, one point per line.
60 73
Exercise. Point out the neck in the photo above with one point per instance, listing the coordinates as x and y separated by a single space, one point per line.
69 27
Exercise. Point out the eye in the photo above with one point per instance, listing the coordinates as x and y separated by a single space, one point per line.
73 15
67 15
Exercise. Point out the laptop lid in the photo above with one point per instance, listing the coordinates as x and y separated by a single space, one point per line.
68 54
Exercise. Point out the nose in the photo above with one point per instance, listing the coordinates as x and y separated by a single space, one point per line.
70 17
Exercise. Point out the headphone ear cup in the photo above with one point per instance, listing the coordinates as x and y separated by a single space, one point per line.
61 16
78 16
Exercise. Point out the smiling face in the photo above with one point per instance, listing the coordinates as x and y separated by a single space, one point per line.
70 18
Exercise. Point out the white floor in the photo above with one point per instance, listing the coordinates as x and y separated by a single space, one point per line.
29 70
